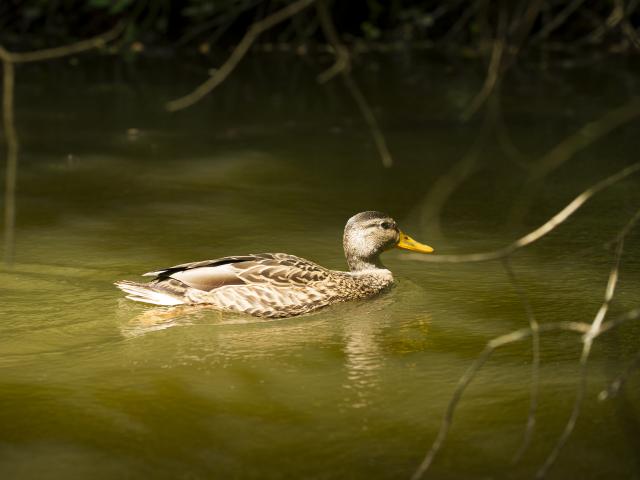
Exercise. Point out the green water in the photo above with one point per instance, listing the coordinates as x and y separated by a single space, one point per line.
95 386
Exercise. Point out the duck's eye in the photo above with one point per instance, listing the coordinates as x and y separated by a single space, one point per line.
386 225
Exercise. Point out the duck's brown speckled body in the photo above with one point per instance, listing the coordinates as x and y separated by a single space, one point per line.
279 284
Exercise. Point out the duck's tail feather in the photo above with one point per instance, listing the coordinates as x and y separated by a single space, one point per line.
141 292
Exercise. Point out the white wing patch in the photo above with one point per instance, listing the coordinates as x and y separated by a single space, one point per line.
209 278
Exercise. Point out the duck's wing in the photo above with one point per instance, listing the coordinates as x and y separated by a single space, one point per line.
275 269
167 272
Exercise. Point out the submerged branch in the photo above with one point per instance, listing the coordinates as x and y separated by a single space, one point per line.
568 148
447 184
238 54
493 72
9 59
535 361
504 138
370 119
11 139
342 66
585 137
539 232
619 382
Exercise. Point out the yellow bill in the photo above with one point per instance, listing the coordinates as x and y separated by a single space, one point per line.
409 243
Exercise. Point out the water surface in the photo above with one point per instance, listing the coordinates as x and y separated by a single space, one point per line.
111 186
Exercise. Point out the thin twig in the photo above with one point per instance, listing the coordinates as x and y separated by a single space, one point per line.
526 24
535 360
471 372
493 72
463 383
225 19
625 231
491 346
588 339
614 18
633 314
463 19
619 382
626 26
559 19
342 65
539 232
238 54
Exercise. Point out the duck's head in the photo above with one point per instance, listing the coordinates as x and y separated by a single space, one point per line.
368 234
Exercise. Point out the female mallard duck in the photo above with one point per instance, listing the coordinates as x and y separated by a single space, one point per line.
278 284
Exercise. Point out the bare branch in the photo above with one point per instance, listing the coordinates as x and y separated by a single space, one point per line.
559 19
491 346
66 50
539 232
465 380
238 54
588 339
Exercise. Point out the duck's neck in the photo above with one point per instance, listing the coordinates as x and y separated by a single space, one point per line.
358 264
359 252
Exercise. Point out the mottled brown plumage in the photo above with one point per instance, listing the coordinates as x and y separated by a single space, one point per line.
278 284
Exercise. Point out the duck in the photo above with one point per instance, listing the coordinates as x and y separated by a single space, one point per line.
278 285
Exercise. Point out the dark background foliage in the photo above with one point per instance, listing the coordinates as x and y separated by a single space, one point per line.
611 25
